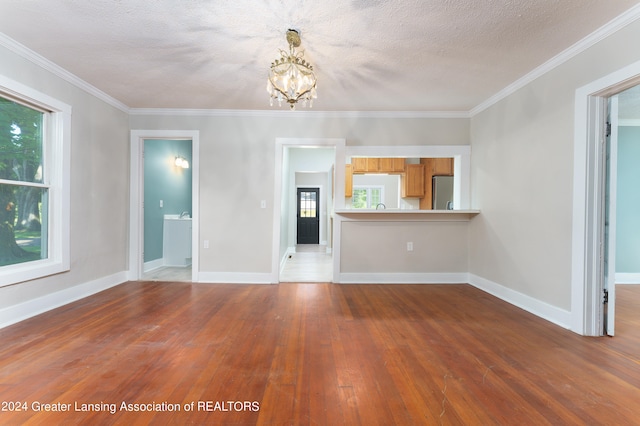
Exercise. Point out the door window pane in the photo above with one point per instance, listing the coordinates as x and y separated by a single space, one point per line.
307 204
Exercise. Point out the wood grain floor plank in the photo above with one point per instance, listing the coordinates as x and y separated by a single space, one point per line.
307 354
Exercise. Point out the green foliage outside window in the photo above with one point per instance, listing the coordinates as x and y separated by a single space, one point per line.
22 195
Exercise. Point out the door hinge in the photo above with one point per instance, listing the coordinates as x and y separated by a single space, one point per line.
605 296
608 131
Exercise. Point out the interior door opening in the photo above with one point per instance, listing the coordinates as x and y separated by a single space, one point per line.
167 210
164 187
621 264
305 197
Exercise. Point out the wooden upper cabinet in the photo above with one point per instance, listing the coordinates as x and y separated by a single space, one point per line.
413 180
348 180
391 165
442 167
377 165
364 165
359 164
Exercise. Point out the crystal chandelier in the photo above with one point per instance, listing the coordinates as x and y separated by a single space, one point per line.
291 78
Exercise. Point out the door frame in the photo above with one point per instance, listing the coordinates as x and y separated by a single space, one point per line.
587 271
338 181
318 191
136 196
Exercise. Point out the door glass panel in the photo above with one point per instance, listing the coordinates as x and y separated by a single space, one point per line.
307 204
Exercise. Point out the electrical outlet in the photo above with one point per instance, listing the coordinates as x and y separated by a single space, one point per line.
410 246
206 244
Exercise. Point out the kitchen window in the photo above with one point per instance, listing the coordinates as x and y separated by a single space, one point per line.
34 184
367 196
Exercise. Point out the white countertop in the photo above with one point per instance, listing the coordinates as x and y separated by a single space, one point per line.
398 214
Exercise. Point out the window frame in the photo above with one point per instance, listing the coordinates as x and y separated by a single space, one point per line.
56 147
368 188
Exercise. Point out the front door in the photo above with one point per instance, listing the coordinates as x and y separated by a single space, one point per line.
308 216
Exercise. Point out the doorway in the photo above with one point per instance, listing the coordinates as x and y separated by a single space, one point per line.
308 216
593 294
316 167
164 188
167 207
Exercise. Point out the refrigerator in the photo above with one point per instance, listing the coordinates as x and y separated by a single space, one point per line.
442 192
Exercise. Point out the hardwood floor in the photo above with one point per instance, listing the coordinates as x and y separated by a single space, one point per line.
315 354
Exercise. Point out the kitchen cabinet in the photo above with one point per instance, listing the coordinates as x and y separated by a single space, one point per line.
348 180
433 167
359 165
391 165
442 167
377 165
413 181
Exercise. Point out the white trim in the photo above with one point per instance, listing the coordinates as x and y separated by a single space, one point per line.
153 264
543 310
19 312
57 70
57 158
403 277
136 193
627 278
585 276
287 113
603 32
600 34
283 262
235 277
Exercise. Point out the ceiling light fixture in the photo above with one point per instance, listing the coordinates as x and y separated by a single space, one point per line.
291 78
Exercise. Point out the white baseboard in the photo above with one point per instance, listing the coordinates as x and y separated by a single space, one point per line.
153 264
235 277
30 308
627 278
290 251
543 310
402 278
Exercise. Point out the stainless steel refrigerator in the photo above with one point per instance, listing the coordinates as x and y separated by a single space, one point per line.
443 192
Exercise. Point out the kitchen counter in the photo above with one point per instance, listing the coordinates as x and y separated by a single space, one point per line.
407 215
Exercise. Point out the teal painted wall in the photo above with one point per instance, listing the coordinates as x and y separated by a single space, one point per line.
628 201
163 181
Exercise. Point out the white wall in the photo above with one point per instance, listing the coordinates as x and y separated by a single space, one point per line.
237 171
99 195
522 171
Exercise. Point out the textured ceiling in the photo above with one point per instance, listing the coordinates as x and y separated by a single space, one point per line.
369 55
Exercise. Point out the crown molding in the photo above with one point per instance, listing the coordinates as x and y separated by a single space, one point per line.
613 26
57 70
282 113
603 32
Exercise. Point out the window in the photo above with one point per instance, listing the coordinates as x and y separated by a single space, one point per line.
34 188
367 196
